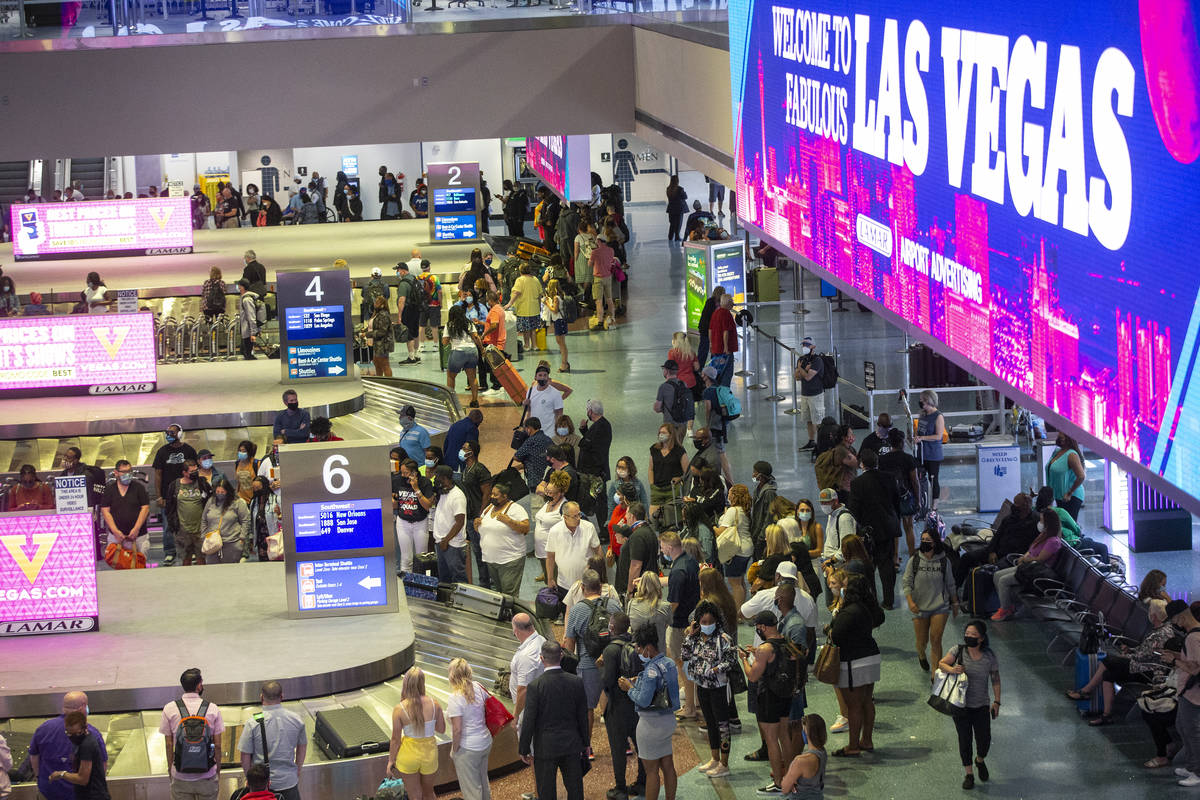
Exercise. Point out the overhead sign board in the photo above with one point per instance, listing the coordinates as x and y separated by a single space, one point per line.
77 354
1016 181
47 573
453 206
147 227
316 360
316 336
338 525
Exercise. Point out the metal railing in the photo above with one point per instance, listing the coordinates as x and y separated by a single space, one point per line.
905 399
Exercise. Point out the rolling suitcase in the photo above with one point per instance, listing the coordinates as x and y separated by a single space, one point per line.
422 587
509 378
482 601
349 732
981 592
1086 665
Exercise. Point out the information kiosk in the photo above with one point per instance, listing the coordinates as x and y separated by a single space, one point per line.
707 265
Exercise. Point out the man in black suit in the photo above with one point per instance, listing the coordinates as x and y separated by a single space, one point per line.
592 457
555 727
875 503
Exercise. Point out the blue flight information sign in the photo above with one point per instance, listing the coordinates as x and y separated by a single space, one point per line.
454 200
338 583
315 322
316 360
454 228
729 270
338 525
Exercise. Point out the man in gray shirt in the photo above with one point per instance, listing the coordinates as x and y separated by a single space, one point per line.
286 742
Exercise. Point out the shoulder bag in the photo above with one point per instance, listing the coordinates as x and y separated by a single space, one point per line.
495 714
828 668
1159 700
949 692
212 543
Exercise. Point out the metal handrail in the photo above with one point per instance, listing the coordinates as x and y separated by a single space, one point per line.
233 339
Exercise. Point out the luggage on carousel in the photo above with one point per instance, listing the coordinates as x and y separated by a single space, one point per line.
425 564
489 603
509 378
349 732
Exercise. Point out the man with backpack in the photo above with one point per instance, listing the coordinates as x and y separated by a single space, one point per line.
683 593
252 314
674 402
376 287
587 635
410 300
772 670
839 524
765 492
191 728
720 405
810 371
620 660
722 339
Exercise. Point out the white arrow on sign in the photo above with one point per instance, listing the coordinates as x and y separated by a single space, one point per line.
371 583
336 370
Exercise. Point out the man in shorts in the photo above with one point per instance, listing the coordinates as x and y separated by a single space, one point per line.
409 310
431 315
810 372
601 261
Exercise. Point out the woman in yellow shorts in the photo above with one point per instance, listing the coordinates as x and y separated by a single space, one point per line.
415 722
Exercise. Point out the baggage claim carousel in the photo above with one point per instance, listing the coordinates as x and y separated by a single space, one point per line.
220 621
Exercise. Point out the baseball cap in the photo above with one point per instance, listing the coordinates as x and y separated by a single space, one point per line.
766 618
709 372
204 453
541 368
786 569
828 495
670 364
1176 607
808 340
376 272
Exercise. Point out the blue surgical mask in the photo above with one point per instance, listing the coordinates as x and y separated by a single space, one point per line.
562 431
429 462
243 455
206 463
645 659
125 478
708 630
171 439
462 455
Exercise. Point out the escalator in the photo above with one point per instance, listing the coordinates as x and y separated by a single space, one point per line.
90 173
14 181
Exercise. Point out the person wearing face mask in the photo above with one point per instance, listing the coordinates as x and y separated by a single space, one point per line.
896 461
875 502
168 466
293 422
245 468
626 472
765 492
462 431
1065 474
839 524
475 480
655 695
931 431
928 584
227 514
596 442
183 508
543 400
73 464
125 507
265 515
812 540
10 304
974 722
208 473
449 526
30 493
709 656
87 774
412 498
566 437
525 302
52 751
810 371
502 528
1038 561
413 437
668 465
877 440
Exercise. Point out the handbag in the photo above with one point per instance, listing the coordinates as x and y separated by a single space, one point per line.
495 715
1031 571
1160 700
212 543
828 668
735 676
391 789
949 691
275 546
118 556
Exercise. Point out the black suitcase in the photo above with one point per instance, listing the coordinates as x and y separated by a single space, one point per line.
981 592
349 732
425 564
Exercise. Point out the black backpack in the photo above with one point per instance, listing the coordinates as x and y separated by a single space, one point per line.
829 375
680 402
779 679
826 436
597 635
214 297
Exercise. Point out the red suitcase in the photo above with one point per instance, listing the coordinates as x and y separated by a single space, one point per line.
509 378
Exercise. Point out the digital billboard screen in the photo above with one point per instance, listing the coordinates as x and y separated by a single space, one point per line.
315 322
1015 180
155 226
454 200
563 163
77 354
340 583
338 525
47 574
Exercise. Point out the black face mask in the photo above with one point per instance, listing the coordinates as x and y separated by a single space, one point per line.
971 641
77 738
926 547
293 404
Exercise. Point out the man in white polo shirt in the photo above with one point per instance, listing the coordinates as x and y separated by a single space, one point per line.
192 785
568 546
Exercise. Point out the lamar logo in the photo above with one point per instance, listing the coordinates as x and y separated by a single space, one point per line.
162 215
122 388
112 338
42 543
71 625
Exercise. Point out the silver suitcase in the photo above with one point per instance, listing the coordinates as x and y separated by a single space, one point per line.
486 602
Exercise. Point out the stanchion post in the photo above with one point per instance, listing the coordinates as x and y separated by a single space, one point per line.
757 340
745 372
795 409
775 396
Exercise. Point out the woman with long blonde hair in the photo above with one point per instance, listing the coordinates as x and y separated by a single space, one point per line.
737 517
552 299
416 721
683 354
647 606
471 741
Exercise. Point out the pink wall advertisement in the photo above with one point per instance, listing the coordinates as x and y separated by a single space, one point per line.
77 354
148 227
47 574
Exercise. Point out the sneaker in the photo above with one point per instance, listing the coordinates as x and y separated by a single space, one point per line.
719 771
1191 780
758 755
1002 614
969 782
1181 772
840 725
810 446
708 765
168 561
770 790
